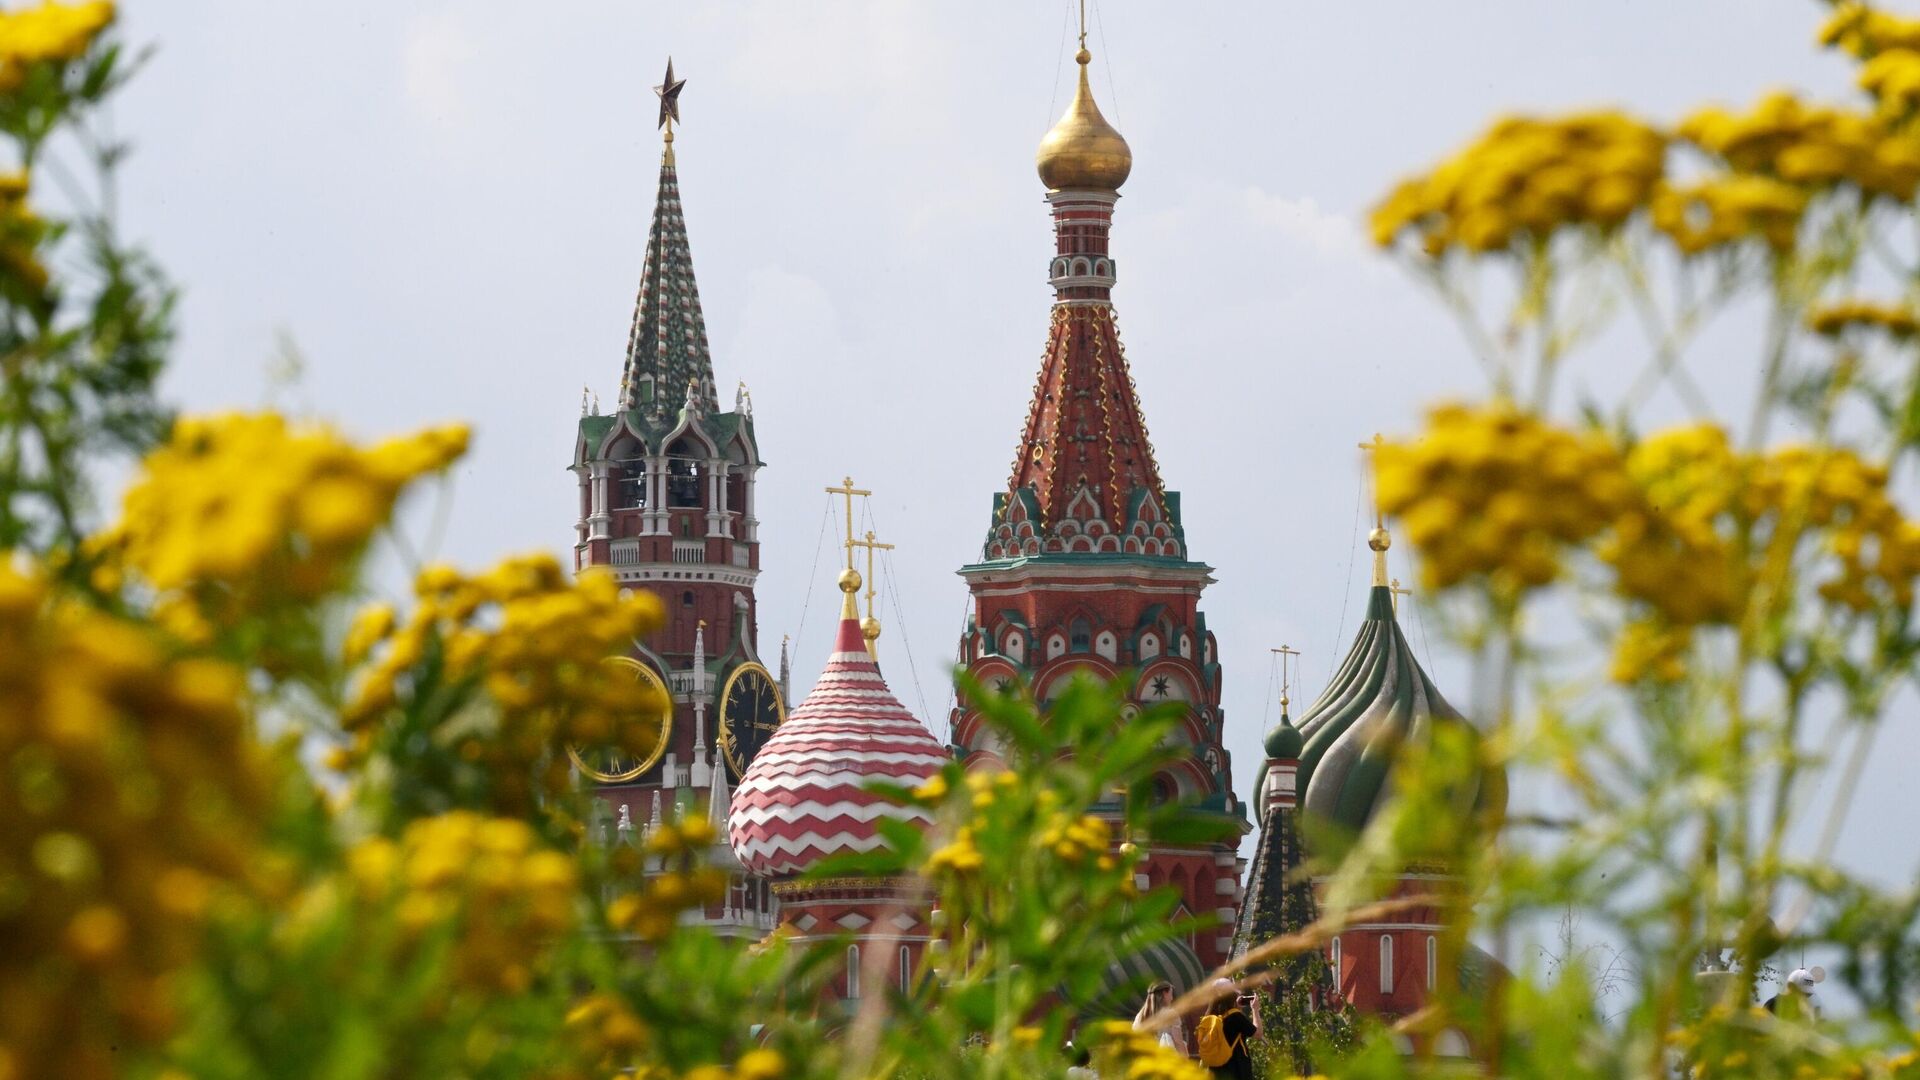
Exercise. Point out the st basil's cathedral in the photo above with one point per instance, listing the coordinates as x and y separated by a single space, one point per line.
1085 569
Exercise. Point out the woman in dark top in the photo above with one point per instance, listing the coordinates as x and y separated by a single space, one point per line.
1238 1022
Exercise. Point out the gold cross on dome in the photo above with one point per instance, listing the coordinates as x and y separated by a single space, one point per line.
1284 652
847 489
1373 448
872 546
1398 592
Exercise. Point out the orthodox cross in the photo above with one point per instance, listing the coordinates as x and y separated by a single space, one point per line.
1283 652
1398 592
847 489
1083 24
669 91
1374 449
872 546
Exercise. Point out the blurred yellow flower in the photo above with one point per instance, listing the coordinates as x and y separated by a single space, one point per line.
1495 492
487 882
536 641
49 33
1833 320
132 790
1524 179
238 513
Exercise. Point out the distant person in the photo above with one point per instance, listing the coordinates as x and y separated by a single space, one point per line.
1223 1033
1174 1035
1798 1000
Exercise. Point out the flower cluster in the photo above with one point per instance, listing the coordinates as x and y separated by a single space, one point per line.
1727 210
130 790
1893 78
1137 1054
680 881
51 33
238 512
606 1030
1809 146
1856 28
1651 650
485 882
1526 178
1896 321
1874 548
22 275
1667 548
1689 526
536 641
1074 840
1677 551
1496 492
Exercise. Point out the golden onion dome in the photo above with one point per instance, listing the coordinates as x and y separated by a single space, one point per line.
1083 151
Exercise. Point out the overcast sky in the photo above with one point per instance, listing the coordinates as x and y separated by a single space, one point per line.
445 205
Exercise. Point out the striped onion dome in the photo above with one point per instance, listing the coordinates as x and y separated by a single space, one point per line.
1123 986
804 797
1379 700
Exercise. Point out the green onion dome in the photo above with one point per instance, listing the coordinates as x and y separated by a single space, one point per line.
1284 742
1379 700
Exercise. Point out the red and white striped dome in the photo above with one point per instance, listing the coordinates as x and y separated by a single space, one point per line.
804 796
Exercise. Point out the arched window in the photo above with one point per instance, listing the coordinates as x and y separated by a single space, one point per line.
853 972
1433 960
1081 636
1386 963
686 598
906 969
683 475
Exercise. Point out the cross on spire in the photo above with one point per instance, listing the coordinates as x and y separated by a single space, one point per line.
1284 652
1373 448
870 628
1398 592
1379 539
847 490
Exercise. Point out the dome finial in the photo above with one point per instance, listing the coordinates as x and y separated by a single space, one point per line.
1379 539
669 93
870 626
1083 151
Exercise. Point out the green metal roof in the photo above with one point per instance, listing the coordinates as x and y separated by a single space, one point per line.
1379 700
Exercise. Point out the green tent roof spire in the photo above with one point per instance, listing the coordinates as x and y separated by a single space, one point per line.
667 347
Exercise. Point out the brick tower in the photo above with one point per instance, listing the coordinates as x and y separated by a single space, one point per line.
666 500
1085 569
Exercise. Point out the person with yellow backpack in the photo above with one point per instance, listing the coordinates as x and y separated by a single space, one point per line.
1222 1034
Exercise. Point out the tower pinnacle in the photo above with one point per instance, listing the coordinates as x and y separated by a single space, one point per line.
667 347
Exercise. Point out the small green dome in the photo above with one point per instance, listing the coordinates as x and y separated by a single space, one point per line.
1285 742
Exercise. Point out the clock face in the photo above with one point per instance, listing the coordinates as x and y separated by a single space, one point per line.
750 710
611 764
